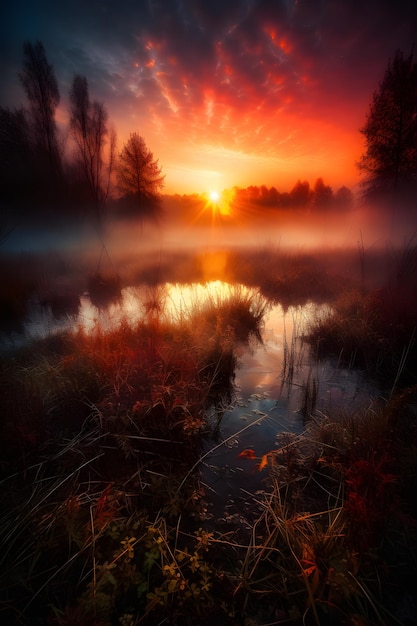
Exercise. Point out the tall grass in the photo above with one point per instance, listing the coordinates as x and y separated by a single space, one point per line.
101 429
359 331
336 514
104 516
375 328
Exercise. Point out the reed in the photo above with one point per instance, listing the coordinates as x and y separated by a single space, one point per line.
105 519
102 428
374 328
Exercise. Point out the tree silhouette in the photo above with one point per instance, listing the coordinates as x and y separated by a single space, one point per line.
343 198
322 196
389 163
41 88
17 173
300 194
139 176
89 128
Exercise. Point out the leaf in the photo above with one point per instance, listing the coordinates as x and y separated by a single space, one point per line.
248 453
142 589
151 557
309 570
263 463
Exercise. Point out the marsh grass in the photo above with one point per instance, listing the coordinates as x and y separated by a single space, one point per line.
104 288
103 433
336 514
359 332
238 309
309 393
293 346
105 519
375 329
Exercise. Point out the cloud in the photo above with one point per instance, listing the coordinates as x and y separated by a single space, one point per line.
278 78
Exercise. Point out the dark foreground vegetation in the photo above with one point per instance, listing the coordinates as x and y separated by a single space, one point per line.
104 514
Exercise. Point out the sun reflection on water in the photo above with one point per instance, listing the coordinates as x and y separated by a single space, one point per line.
169 302
186 298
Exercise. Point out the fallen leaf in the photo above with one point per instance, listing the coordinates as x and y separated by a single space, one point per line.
248 453
264 462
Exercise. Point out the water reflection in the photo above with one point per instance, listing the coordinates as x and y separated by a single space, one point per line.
270 384
270 380
170 302
271 373
276 368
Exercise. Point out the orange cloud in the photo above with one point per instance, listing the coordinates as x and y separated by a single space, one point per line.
261 94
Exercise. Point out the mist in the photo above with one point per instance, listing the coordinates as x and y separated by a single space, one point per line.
191 227
189 223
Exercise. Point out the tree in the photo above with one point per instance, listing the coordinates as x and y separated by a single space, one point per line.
139 175
17 175
322 195
274 197
300 194
41 88
389 163
89 128
343 198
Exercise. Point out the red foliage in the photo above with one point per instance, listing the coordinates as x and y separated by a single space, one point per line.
369 498
107 508
248 453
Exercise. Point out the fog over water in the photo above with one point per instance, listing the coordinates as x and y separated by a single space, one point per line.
193 224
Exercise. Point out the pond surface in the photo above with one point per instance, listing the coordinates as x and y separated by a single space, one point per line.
270 380
269 402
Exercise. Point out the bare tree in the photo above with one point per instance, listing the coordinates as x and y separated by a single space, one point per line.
139 175
89 128
41 88
389 163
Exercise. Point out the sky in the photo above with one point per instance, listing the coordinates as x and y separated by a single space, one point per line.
225 93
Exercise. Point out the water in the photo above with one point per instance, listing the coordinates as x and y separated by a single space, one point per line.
271 373
270 380
268 403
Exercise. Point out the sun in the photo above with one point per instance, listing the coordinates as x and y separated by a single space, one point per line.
219 203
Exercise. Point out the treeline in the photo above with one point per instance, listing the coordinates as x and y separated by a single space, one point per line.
251 202
301 196
75 170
